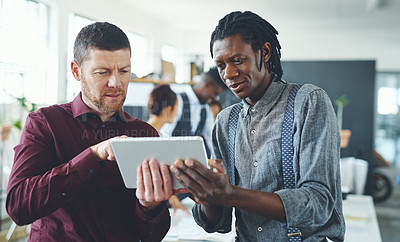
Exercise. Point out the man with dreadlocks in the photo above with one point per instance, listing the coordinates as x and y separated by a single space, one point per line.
276 154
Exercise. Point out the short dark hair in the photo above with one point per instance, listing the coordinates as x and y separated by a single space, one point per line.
99 35
215 77
161 97
254 30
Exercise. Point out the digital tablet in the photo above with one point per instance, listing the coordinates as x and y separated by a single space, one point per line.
130 152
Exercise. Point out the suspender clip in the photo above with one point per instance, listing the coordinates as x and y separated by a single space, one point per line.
294 234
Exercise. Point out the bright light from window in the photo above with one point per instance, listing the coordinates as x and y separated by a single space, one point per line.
387 101
24 51
140 60
76 23
168 53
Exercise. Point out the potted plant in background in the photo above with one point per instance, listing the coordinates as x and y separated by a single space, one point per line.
4 130
26 105
344 133
6 123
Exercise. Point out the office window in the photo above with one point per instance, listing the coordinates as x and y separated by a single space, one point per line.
76 23
141 58
387 128
169 57
25 63
168 53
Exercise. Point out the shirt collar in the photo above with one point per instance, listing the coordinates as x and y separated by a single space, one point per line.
269 98
79 108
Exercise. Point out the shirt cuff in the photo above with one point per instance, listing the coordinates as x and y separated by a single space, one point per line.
291 203
86 164
154 212
152 228
223 226
149 221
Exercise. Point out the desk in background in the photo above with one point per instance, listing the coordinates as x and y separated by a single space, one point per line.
184 228
359 212
361 222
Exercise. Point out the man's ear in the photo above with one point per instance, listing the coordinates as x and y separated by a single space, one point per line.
266 51
76 70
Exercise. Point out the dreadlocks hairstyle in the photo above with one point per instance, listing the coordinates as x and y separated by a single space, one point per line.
254 30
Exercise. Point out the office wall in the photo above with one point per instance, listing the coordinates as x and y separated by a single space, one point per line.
356 79
339 44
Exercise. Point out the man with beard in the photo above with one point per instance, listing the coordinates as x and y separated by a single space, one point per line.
65 180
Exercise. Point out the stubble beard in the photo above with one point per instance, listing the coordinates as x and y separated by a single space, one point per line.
99 103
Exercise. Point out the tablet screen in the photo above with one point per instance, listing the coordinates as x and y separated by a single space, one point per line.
130 152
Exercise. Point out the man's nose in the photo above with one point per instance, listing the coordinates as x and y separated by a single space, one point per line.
230 72
114 81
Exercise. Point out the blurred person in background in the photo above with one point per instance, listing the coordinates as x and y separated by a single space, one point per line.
216 107
163 108
195 117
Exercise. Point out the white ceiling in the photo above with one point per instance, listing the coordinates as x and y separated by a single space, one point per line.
203 15
308 29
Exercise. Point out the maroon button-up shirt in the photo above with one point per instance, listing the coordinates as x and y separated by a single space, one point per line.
59 186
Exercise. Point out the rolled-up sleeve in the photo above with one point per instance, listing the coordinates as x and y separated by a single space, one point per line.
316 146
223 226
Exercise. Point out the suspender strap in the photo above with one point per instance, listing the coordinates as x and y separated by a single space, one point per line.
232 124
183 127
200 126
287 141
287 149
287 154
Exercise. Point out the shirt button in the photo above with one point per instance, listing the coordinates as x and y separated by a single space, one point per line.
259 229
255 163
253 131
63 194
103 125
253 110
91 171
